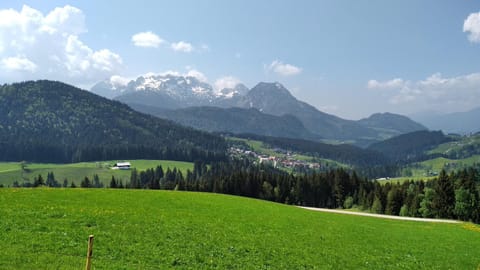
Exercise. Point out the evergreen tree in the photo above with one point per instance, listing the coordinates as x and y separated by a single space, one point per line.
134 179
113 182
426 208
51 182
38 181
394 201
444 200
86 183
377 206
96 182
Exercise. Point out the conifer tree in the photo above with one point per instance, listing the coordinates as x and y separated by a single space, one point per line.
444 200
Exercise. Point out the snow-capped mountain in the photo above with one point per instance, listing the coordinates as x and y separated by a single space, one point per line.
109 88
169 91
238 90
155 94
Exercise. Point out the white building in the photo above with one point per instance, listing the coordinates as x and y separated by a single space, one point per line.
121 166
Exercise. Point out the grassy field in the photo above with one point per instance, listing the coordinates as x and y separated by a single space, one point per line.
141 229
11 171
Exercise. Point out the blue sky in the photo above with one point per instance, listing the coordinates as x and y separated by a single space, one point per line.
349 58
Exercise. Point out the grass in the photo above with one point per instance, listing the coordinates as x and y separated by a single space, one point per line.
429 169
141 229
402 179
11 171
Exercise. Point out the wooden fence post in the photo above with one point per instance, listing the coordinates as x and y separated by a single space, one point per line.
89 252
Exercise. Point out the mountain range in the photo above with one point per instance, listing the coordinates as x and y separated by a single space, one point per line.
266 109
458 122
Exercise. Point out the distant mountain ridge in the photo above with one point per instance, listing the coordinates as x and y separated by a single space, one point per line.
177 92
234 120
459 122
391 124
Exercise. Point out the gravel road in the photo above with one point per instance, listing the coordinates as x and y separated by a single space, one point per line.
380 216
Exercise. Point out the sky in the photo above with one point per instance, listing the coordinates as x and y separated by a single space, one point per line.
348 58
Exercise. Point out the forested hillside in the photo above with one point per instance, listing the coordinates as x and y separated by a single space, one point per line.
50 121
234 120
409 147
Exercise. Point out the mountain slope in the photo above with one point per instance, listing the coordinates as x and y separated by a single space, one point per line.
56 122
390 125
234 120
411 146
274 98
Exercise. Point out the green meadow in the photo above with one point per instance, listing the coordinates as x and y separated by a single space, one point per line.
76 172
144 229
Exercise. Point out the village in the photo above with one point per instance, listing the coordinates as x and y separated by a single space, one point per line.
282 159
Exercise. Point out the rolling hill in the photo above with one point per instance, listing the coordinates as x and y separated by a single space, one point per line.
410 147
48 121
390 125
141 229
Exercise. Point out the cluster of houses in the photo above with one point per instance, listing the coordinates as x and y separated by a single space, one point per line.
284 159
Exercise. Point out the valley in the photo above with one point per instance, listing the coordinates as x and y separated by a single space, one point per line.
239 135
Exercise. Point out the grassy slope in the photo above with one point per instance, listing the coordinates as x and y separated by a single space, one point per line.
420 170
10 171
138 229
456 145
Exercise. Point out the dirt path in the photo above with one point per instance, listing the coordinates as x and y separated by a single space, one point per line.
380 216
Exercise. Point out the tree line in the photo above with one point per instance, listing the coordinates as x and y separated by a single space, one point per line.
452 196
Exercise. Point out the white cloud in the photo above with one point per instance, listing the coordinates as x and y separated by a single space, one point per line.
150 39
182 46
190 73
472 25
168 72
204 48
117 80
34 45
283 69
18 64
63 19
147 39
391 84
197 74
434 92
226 82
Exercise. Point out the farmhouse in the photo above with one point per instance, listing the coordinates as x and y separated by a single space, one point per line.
121 166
